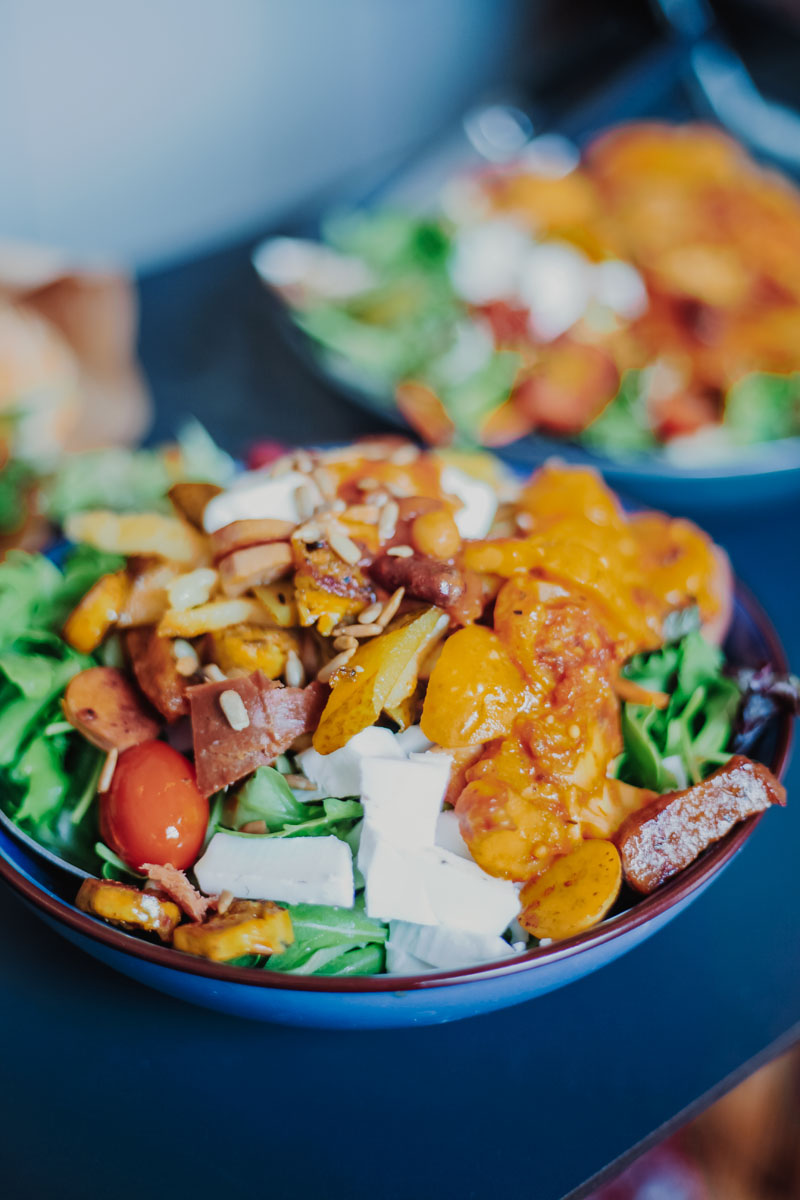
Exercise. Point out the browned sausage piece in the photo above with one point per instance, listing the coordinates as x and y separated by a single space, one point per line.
255 565
226 750
152 659
104 705
254 532
669 833
458 592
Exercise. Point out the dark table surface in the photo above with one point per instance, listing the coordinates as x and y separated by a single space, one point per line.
109 1087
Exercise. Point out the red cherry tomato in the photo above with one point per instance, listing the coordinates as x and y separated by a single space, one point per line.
153 812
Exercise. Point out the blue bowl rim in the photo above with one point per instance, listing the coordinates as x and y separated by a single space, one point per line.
673 893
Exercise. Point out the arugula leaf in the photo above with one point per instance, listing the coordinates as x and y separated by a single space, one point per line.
266 796
325 935
40 770
763 407
623 427
694 731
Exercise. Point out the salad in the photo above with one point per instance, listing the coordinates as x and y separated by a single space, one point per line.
640 299
372 709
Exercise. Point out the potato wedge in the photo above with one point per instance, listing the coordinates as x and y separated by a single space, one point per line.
248 927
574 894
255 565
190 499
97 612
240 534
206 618
121 904
362 687
137 533
147 599
252 648
105 707
278 599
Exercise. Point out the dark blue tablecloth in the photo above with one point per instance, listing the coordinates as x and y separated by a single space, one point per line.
108 1088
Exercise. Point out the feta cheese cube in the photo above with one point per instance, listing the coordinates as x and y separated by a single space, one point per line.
402 798
400 962
339 774
253 496
394 883
412 740
448 835
462 895
301 870
478 499
443 946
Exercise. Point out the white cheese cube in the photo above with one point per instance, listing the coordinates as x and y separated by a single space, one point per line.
445 947
412 740
448 835
254 496
478 499
300 870
461 894
394 883
339 774
402 798
400 962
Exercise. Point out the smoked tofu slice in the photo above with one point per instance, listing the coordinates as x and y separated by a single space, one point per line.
123 905
247 927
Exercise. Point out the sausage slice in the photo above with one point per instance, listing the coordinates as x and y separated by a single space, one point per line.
106 708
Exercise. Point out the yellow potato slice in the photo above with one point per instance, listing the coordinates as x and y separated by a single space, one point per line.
248 927
206 618
137 533
253 648
96 613
278 599
574 894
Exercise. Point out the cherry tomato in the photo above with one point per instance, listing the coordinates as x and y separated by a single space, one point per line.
153 812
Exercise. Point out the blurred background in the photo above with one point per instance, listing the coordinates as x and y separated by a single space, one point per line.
162 136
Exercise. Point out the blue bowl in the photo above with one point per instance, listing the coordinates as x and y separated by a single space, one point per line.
374 1002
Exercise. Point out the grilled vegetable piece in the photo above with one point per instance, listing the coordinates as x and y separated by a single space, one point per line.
155 667
668 834
278 599
365 683
276 716
190 499
147 599
248 927
328 591
102 704
254 565
121 904
253 532
217 614
98 611
252 648
136 533
574 893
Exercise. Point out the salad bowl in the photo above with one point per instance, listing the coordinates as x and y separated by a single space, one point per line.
387 1001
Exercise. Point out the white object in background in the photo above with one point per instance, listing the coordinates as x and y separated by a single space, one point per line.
478 500
255 495
471 350
402 799
620 287
284 262
555 286
485 260
303 870
443 947
339 774
551 155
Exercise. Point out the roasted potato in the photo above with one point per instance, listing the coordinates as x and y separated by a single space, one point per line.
574 894
217 614
248 927
137 533
252 648
97 612
121 904
278 599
